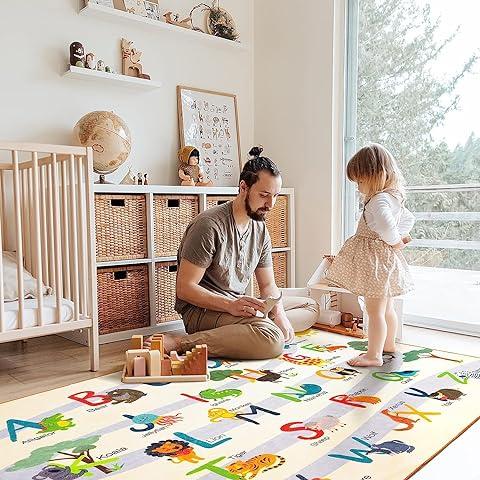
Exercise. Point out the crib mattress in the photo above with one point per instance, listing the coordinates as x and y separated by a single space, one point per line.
30 312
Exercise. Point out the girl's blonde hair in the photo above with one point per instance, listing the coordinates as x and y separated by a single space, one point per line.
377 167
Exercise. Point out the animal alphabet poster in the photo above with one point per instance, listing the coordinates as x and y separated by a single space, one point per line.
209 121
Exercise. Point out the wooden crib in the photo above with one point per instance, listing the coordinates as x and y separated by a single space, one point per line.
47 232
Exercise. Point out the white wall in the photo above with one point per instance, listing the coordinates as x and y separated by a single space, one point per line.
296 116
38 104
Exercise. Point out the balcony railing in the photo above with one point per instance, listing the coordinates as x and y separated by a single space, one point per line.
459 216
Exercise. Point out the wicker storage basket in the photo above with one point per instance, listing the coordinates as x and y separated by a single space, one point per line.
121 227
213 201
123 300
279 271
277 222
172 214
165 284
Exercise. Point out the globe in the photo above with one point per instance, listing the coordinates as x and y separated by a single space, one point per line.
109 137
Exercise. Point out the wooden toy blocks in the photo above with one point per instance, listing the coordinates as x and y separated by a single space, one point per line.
154 365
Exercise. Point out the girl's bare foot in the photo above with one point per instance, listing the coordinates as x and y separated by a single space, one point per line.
364 361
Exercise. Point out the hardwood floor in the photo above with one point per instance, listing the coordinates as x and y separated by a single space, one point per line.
44 363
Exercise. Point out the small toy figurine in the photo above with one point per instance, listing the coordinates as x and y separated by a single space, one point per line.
140 178
145 179
131 65
189 170
77 54
90 61
173 19
129 178
269 303
101 66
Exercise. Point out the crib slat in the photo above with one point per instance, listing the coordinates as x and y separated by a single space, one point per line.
3 200
56 239
25 212
2 305
30 253
65 235
73 229
38 245
92 284
81 237
49 215
43 223
18 229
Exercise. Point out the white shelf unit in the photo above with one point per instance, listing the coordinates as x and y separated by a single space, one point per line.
82 73
203 193
109 14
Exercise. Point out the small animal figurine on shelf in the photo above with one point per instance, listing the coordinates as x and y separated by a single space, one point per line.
77 54
140 178
131 65
90 61
173 19
189 170
101 66
129 178
145 179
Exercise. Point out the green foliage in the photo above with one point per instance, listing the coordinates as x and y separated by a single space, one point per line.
400 102
45 454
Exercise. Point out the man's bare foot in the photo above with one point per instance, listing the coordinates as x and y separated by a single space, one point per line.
364 361
171 342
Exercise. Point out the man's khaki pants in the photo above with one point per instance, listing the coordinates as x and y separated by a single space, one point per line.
251 338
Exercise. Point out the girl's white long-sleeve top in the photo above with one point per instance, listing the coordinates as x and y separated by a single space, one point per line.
386 216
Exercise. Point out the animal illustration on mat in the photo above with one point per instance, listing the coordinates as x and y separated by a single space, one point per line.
327 422
76 452
445 394
253 466
391 447
57 472
126 395
344 371
177 450
56 422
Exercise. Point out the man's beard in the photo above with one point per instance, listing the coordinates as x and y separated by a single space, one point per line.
257 215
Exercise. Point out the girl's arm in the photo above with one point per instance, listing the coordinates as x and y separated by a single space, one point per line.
381 216
406 222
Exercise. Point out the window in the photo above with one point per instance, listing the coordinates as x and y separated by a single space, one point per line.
412 85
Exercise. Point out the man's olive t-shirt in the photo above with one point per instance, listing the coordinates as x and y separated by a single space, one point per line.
212 241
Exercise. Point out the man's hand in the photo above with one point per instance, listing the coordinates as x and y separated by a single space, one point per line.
245 307
283 323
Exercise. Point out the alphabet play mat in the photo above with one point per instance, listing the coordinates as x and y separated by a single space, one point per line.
305 415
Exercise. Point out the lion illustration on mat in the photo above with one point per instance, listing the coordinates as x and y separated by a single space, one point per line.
178 451
253 466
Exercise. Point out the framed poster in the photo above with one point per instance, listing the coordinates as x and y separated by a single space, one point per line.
208 121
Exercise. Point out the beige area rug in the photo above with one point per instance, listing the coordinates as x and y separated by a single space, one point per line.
305 415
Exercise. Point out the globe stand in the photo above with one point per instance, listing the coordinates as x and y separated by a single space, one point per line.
101 180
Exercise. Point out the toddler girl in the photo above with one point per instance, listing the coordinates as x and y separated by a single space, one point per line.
371 264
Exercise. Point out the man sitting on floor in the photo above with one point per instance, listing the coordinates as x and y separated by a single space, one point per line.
221 249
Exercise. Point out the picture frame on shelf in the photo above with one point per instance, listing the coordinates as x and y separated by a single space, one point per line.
103 3
208 121
151 7
137 7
